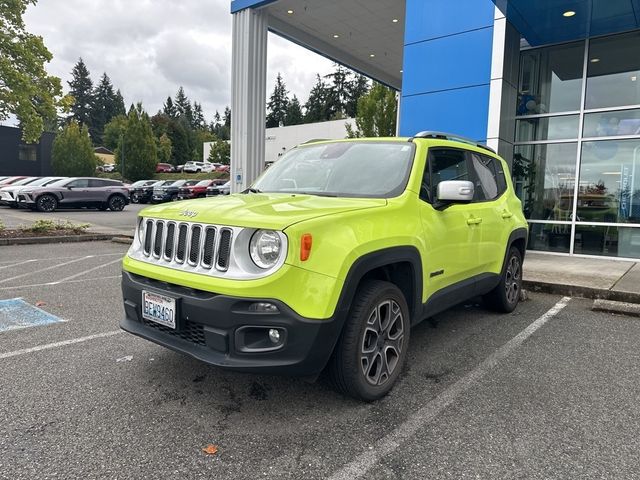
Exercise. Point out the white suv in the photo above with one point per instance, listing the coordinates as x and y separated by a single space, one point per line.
197 167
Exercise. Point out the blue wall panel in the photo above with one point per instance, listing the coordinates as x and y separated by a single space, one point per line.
439 18
450 62
237 5
463 111
447 67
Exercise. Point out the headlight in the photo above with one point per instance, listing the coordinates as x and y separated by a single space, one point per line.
264 248
140 229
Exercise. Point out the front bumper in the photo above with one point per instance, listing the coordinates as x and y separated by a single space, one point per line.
162 197
210 328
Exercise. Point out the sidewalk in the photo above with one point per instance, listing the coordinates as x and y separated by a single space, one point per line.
583 277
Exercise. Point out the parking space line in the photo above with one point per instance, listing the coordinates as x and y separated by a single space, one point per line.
17 264
64 343
53 284
12 262
71 277
45 269
358 467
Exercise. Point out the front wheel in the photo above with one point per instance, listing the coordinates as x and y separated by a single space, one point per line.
46 203
373 346
505 297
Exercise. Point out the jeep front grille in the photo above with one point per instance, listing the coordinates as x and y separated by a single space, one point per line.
198 246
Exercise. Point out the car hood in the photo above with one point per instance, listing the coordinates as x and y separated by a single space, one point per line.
274 211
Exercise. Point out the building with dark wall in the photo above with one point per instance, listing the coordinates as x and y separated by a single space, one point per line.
20 158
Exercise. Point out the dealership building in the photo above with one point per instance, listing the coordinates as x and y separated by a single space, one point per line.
551 85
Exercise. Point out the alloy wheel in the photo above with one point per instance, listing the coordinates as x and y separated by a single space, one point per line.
382 342
512 280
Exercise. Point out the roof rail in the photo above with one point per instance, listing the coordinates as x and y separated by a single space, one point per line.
451 137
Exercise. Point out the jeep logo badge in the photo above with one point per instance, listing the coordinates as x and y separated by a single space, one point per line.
188 213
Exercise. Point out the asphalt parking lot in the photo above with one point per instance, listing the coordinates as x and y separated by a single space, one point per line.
549 391
118 222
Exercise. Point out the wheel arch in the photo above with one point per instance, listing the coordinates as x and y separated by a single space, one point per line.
518 238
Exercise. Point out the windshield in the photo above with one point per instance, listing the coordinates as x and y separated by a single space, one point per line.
203 183
24 181
345 169
139 183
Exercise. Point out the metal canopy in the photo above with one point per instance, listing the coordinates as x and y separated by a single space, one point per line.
553 21
360 34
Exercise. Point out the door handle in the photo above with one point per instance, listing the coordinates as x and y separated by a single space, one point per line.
506 214
474 221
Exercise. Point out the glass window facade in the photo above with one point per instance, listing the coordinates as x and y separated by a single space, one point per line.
576 164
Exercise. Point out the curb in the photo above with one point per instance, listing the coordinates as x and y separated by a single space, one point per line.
621 308
122 239
92 237
583 292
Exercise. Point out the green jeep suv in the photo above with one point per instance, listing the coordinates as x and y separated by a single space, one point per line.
329 259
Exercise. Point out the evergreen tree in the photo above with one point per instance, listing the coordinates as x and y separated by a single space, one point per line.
169 108
181 149
136 155
72 154
277 105
337 92
294 112
356 88
81 89
227 117
316 106
220 152
377 112
113 132
183 107
199 123
160 124
164 149
119 104
103 109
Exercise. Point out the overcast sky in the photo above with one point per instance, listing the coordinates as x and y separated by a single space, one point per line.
151 47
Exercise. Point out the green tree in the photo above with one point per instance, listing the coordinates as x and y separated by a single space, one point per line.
119 104
72 154
294 114
81 89
201 136
113 131
183 107
179 137
220 152
199 123
316 106
356 88
337 92
277 105
26 89
376 113
169 108
164 149
105 106
136 155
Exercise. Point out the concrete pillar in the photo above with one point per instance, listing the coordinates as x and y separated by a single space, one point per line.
248 96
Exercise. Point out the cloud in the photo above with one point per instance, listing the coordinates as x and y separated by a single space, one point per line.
150 48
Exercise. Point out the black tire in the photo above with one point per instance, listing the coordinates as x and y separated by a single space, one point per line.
46 203
365 364
134 198
116 203
505 297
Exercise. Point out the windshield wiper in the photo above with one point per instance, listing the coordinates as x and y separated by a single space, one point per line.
252 190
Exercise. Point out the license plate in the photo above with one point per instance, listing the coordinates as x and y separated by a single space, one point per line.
159 309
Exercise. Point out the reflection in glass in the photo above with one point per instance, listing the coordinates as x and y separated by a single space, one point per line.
607 241
610 182
551 79
544 178
609 124
547 128
549 237
613 77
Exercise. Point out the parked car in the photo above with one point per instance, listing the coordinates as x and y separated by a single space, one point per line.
169 191
142 190
9 194
222 168
107 168
215 190
11 180
76 192
178 168
388 233
198 190
197 167
164 168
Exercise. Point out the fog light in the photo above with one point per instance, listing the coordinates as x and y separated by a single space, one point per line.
274 335
263 307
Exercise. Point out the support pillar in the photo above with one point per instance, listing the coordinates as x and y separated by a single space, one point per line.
248 96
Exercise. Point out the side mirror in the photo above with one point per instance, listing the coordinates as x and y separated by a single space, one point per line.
453 191
69 188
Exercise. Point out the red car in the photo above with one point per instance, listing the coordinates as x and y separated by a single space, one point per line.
10 180
199 190
222 168
164 168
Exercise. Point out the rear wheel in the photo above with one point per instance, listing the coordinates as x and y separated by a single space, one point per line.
46 203
116 203
505 297
373 346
